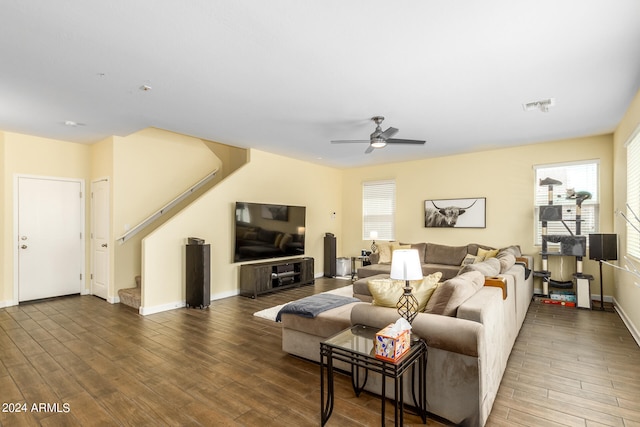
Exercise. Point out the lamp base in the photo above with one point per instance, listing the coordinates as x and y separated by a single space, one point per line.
407 304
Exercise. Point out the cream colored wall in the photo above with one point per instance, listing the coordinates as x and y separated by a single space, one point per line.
150 168
626 294
505 177
267 178
31 155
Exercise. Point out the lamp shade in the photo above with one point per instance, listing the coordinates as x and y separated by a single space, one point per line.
373 235
405 265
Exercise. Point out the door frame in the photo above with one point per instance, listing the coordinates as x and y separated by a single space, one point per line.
16 236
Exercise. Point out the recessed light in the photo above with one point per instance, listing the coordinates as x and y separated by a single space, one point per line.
70 123
145 88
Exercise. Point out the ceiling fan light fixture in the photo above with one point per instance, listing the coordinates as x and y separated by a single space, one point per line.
378 143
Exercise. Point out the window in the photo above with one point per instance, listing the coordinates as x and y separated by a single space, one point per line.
633 195
575 177
379 209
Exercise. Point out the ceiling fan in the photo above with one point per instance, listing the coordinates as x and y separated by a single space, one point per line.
380 139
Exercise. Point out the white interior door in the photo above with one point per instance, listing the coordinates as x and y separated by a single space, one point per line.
100 238
50 241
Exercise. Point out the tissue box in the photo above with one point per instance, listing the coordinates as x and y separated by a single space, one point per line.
391 346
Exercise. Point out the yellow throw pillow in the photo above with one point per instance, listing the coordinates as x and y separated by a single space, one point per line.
387 292
384 249
486 254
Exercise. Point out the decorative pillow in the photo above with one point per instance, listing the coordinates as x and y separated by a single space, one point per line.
449 295
514 249
507 260
387 292
486 254
384 249
469 259
488 267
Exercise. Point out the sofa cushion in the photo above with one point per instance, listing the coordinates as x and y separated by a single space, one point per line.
507 260
450 294
443 254
514 249
488 267
387 292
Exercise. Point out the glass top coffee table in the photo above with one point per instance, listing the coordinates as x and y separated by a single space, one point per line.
355 346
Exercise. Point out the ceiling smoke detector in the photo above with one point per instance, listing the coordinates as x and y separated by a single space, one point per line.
542 105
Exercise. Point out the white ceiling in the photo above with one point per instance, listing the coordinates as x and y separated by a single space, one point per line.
288 76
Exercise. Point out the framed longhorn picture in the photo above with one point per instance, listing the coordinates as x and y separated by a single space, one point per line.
456 213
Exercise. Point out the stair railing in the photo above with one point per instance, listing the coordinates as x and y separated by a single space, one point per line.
166 208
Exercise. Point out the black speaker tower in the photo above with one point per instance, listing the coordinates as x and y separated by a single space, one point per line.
603 247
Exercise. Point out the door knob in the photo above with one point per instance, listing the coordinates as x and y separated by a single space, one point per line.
104 245
24 246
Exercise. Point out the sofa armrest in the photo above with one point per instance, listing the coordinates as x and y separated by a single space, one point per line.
498 282
443 332
524 260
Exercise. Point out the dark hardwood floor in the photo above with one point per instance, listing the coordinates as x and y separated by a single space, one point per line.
94 363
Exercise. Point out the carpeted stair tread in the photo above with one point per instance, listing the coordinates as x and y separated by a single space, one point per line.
131 296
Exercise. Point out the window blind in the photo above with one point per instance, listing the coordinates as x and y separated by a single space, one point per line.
581 176
633 196
379 209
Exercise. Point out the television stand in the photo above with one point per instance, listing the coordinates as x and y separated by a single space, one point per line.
263 277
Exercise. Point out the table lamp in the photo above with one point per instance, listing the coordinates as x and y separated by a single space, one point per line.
373 235
405 265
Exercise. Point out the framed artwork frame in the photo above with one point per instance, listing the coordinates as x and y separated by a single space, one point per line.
456 213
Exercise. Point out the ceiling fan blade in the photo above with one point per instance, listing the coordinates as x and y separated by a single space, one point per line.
404 141
349 141
369 149
388 133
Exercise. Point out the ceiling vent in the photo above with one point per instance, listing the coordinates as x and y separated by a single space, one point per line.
542 105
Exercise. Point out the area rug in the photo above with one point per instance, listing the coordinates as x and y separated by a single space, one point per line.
271 312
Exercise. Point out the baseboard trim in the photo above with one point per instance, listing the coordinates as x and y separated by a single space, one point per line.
145 311
627 322
223 295
7 303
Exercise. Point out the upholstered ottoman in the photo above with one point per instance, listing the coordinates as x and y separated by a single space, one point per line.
301 336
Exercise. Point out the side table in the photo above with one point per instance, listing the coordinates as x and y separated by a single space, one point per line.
355 347
364 260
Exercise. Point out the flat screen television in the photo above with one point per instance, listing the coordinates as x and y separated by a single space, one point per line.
268 231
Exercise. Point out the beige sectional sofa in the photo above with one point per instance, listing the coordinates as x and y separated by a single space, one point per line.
468 349
435 257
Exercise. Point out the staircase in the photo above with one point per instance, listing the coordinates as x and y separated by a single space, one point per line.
131 296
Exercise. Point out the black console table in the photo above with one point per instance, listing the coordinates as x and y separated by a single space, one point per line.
355 347
271 276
